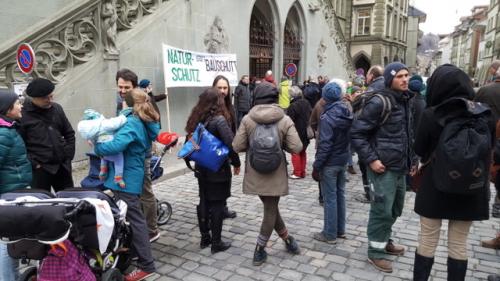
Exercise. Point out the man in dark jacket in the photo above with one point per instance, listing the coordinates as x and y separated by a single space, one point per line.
331 159
385 149
147 87
312 92
374 79
242 99
49 137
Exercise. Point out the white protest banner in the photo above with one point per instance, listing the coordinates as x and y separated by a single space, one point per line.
185 68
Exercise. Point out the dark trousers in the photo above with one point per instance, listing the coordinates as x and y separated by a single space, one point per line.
140 235
45 180
364 177
210 218
272 219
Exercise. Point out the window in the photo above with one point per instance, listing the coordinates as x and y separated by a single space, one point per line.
363 21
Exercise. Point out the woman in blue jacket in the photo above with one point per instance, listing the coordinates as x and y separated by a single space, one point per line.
134 140
15 168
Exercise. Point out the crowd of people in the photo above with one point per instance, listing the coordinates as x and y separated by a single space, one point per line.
376 116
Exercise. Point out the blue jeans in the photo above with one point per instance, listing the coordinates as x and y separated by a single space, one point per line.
333 191
9 267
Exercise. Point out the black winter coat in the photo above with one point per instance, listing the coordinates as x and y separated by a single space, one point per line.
432 203
242 98
300 111
48 135
389 142
446 82
217 186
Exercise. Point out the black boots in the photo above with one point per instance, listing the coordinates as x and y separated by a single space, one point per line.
203 221
216 220
456 269
259 255
422 267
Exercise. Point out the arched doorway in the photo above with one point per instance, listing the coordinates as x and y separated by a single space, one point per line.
362 61
261 40
292 43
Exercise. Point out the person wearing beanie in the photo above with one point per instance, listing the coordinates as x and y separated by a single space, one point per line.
269 187
49 137
147 87
384 144
416 85
300 111
332 155
15 168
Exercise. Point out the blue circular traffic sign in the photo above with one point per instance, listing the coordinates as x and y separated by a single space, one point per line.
291 69
25 58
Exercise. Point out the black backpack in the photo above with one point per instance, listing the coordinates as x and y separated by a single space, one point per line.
461 160
359 103
265 153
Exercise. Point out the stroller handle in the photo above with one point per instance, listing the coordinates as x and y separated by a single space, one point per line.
81 207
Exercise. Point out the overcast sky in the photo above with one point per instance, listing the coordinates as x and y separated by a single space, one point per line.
444 15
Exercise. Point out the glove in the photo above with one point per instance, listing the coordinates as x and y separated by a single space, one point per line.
315 175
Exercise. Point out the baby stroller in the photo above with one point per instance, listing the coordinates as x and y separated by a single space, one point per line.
91 220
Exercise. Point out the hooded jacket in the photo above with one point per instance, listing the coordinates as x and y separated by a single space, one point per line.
133 140
15 168
446 82
275 183
300 111
334 137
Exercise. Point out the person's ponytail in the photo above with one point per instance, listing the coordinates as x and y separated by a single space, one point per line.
139 101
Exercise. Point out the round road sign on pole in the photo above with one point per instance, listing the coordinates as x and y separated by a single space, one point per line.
291 69
25 58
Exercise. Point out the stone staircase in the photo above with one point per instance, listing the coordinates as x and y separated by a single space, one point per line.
83 31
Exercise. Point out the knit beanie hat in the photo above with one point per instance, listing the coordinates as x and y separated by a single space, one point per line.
332 92
7 99
416 86
391 70
144 83
265 93
40 87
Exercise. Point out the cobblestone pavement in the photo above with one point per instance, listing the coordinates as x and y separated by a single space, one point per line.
179 257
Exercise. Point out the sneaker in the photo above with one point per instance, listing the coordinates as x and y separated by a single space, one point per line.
342 236
321 237
381 264
228 214
137 275
153 236
259 255
294 177
393 249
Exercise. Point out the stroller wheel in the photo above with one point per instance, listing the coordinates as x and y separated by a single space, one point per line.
164 212
29 274
112 274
